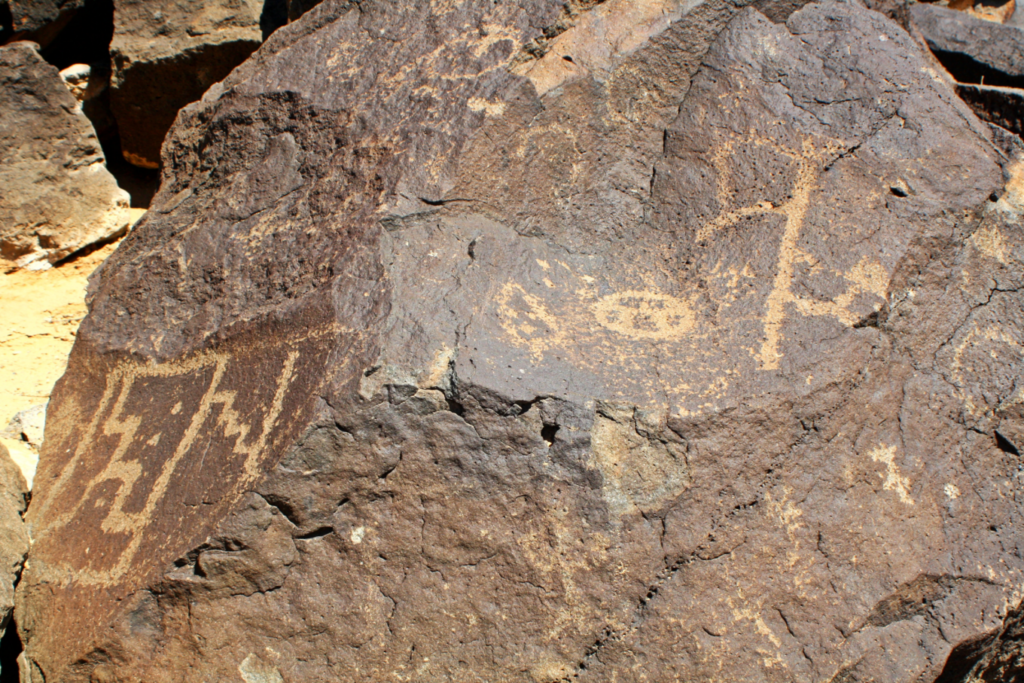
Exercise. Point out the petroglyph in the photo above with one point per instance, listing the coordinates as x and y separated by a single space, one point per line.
644 315
126 472
138 467
635 315
997 334
563 316
893 480
479 104
866 277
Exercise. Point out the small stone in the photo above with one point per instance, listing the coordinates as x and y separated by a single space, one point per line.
28 426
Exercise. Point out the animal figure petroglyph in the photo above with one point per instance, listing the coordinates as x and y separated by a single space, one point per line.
658 316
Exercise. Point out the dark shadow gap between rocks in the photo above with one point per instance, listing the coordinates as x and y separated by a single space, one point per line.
6 23
10 648
84 39
966 69
140 183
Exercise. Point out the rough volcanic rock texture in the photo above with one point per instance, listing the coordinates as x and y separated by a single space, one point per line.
473 341
166 54
13 536
57 194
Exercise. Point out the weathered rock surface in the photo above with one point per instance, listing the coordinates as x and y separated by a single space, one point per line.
986 59
57 194
13 535
970 47
166 54
474 341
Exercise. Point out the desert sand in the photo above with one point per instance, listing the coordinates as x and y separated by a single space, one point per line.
40 313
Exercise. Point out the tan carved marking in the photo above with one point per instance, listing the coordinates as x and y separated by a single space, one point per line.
122 425
650 315
892 480
866 277
644 315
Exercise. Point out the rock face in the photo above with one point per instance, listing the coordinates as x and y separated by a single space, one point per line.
13 536
166 54
57 194
972 47
987 60
529 342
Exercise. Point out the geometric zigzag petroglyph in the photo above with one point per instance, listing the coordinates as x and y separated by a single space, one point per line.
119 384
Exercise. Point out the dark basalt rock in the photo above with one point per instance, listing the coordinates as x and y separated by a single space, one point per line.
57 194
972 48
528 342
165 55
986 59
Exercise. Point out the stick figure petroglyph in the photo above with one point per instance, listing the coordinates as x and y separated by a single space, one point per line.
656 316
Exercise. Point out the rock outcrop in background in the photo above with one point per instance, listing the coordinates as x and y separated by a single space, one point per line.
58 196
985 58
539 341
165 55
156 56
40 18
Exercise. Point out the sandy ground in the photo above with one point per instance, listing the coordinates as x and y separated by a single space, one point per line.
39 314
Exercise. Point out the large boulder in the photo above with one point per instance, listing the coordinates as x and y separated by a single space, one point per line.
58 196
166 54
528 342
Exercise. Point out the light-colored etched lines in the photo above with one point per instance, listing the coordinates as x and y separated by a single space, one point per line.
892 479
644 315
126 473
866 277
795 211
636 315
731 218
113 418
283 383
